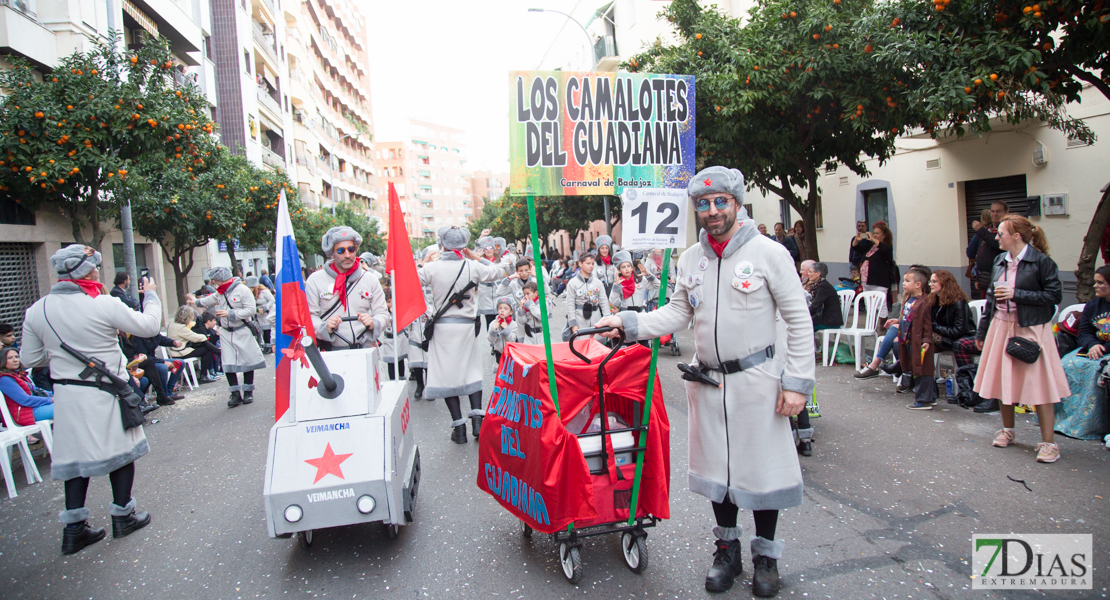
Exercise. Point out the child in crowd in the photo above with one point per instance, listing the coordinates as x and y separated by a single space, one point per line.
501 330
634 284
391 343
915 333
530 326
513 285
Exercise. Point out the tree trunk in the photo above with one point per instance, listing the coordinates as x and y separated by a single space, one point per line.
1092 242
809 217
234 260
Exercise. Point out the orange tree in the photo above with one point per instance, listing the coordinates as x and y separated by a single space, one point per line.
263 194
72 139
507 216
186 204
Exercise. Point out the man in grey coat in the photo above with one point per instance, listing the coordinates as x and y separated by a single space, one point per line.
753 335
239 350
342 289
89 438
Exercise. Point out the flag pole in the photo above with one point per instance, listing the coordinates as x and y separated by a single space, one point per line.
396 334
650 392
543 304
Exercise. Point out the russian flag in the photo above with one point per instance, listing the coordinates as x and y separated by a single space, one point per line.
293 316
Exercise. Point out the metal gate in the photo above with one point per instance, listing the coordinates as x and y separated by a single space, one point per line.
19 286
979 195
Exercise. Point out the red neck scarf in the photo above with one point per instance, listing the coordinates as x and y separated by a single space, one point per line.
658 261
628 287
91 287
718 247
505 320
459 254
340 288
225 287
606 259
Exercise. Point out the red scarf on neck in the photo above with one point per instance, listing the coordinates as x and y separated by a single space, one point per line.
505 320
340 288
89 286
225 286
459 254
718 247
606 259
628 287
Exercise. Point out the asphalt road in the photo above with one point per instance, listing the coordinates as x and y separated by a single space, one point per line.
892 499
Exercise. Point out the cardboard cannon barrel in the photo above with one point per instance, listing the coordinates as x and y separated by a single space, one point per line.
531 460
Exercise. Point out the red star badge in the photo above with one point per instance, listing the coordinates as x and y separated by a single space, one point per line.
708 182
328 464
746 285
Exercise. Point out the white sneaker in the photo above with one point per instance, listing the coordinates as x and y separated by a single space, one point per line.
1107 439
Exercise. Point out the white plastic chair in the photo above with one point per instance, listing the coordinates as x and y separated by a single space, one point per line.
41 428
869 327
977 308
190 364
846 298
16 437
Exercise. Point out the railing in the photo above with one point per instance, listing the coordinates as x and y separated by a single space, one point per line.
605 46
268 44
20 5
271 158
268 101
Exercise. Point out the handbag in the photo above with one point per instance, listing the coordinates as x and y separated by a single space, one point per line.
1025 350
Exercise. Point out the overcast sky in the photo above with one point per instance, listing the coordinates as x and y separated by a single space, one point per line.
447 62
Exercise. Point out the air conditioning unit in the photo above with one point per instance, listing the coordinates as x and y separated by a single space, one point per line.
1056 205
1040 156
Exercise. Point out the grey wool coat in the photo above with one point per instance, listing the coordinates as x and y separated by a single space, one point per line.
238 346
454 359
741 304
89 438
364 296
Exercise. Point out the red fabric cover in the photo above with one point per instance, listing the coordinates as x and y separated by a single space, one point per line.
340 287
553 466
22 415
91 287
401 265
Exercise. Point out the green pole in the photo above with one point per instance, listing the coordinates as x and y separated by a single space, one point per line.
543 303
650 393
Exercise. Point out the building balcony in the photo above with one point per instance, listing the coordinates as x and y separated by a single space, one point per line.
269 157
267 43
21 34
269 102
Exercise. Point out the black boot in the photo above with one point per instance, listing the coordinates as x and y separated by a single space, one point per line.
235 400
458 434
727 566
75 539
166 401
475 426
805 448
128 524
248 396
147 407
986 406
765 579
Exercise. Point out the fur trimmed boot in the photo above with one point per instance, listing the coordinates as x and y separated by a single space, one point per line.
458 431
77 535
248 396
727 560
235 399
126 520
765 558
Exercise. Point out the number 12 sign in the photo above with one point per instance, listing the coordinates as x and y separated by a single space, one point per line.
654 218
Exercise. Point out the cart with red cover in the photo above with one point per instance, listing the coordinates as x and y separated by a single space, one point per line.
581 464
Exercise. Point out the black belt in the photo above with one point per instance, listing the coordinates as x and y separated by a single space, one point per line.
80 382
528 331
735 366
389 336
229 328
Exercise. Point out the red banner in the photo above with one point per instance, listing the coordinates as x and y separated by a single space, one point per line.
534 466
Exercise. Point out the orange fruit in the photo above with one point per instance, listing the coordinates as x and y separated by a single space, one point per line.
994 77
868 49
698 36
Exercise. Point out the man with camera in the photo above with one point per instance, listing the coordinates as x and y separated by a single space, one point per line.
239 350
342 290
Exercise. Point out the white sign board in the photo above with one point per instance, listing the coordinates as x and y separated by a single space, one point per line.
654 218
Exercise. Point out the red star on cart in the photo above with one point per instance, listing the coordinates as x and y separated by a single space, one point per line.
328 464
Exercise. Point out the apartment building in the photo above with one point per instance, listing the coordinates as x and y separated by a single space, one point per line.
332 130
429 169
44 32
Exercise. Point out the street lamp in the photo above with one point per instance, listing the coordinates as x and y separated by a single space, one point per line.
593 66
331 168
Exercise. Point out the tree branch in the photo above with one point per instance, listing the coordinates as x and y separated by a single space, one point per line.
1098 84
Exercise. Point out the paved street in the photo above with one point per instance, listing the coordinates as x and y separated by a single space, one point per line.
892 498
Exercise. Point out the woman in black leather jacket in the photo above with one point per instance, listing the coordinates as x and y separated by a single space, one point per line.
1025 289
952 318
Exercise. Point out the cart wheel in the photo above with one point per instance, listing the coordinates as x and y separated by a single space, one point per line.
634 550
304 538
675 350
392 531
571 559
526 529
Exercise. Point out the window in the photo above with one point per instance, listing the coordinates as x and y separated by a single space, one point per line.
875 202
247 60
13 213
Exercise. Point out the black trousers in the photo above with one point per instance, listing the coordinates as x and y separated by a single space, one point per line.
400 363
766 521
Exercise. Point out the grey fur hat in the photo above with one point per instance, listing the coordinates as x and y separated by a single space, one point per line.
220 274
251 281
336 235
71 262
719 180
528 251
453 238
483 242
500 242
368 258
622 257
604 240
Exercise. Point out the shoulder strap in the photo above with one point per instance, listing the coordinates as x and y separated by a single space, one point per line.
451 291
338 301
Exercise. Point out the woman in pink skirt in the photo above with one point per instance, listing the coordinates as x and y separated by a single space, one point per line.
1025 289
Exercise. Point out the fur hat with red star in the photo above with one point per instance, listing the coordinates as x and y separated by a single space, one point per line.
712 180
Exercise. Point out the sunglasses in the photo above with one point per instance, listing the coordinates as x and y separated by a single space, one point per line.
346 250
720 202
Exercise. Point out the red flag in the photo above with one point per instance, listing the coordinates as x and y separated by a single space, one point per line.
409 304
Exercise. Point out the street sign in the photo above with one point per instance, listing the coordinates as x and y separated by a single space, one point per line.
654 218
